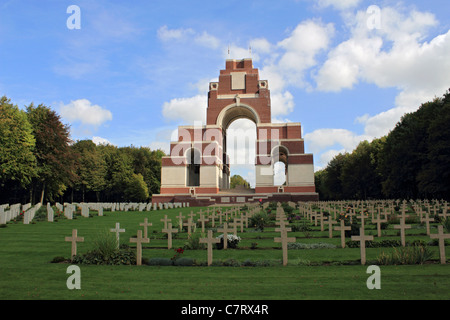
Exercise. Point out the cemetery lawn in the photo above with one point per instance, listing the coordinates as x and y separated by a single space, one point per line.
26 271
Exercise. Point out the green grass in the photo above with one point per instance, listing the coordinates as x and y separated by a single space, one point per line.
26 271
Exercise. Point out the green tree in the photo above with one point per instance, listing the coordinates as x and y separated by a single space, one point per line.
90 168
405 152
136 189
359 176
147 163
433 179
119 171
55 159
320 183
17 143
237 180
333 177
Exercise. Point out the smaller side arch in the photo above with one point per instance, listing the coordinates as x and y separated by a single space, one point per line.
193 163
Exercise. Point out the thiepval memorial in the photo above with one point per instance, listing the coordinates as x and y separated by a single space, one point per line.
197 171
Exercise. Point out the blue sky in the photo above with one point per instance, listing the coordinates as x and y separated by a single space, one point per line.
135 70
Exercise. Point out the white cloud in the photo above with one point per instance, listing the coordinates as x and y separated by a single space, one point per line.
322 139
82 110
326 157
306 41
236 52
282 103
381 124
189 110
184 35
166 34
343 68
395 56
207 40
101 141
392 56
261 45
338 4
162 145
276 80
327 143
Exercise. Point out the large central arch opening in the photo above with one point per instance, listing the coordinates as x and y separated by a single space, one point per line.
240 147
238 122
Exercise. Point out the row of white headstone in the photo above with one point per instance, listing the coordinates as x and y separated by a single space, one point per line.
27 210
11 212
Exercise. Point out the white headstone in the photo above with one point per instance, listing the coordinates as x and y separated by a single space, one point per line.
50 212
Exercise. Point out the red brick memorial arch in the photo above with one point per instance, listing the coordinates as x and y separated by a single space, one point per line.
197 171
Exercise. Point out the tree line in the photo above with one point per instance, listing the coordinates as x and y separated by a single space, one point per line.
237 180
411 162
39 162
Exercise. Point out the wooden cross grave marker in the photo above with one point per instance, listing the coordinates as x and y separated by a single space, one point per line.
74 239
169 232
362 217
330 226
117 230
145 224
280 210
213 218
351 214
402 226
239 223
192 215
379 221
342 228
362 243
180 221
225 232
284 242
427 221
441 236
165 220
403 210
203 219
314 215
210 240
139 240
234 224
245 217
282 223
444 215
189 224
220 214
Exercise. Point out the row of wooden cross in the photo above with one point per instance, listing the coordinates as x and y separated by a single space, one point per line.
424 216
281 221
143 238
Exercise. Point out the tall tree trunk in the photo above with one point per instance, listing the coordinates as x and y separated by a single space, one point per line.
31 193
42 194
